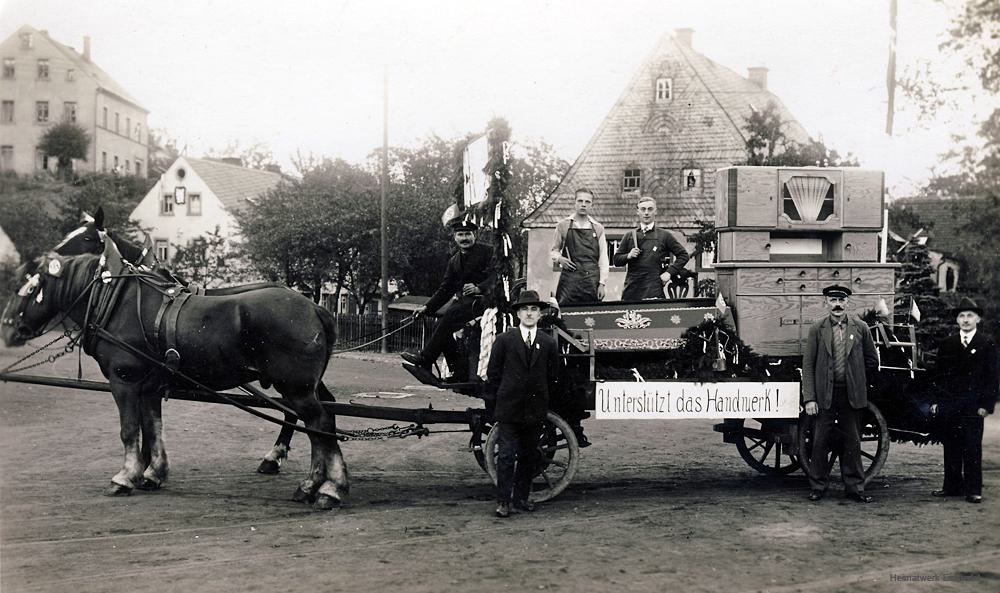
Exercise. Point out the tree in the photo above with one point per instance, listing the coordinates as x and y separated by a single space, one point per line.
210 261
768 145
917 285
65 141
162 152
536 171
117 194
28 213
255 156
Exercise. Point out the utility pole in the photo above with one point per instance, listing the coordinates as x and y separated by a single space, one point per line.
384 226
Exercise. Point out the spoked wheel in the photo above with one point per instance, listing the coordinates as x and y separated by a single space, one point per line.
759 445
559 454
874 442
477 443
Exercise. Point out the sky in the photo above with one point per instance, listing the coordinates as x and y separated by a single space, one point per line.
307 77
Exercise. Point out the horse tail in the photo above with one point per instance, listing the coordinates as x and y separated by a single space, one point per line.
329 328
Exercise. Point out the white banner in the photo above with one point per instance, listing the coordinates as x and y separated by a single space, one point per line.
474 160
675 400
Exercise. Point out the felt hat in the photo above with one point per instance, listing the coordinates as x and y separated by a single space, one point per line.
836 290
967 304
528 297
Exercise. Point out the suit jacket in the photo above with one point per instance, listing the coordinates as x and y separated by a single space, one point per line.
966 379
475 267
642 274
520 382
817 363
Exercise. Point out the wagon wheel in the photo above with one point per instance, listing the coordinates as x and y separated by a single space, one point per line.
559 453
477 443
762 451
874 442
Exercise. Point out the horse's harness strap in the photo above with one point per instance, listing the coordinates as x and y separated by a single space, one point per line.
166 316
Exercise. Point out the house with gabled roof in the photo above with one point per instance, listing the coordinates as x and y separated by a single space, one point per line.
681 117
938 225
194 196
44 82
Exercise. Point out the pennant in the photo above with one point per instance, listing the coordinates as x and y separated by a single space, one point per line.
882 308
720 304
914 310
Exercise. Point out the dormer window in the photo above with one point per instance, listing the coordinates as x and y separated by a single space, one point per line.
664 89
26 41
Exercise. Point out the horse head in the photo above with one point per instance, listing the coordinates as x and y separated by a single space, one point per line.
87 238
45 284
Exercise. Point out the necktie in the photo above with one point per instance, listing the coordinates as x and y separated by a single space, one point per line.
527 341
965 340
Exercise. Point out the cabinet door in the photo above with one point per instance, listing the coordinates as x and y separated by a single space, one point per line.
863 192
770 324
744 246
756 197
856 247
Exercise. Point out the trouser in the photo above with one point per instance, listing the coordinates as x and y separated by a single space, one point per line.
441 341
844 421
517 459
963 456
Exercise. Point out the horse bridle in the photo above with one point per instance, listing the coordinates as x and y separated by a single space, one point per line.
26 294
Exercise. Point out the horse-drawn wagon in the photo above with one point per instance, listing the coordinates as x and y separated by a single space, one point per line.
782 234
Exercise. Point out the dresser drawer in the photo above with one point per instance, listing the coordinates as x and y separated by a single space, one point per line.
834 275
795 286
869 280
760 281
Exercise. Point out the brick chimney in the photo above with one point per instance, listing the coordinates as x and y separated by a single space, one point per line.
683 36
758 76
232 160
86 48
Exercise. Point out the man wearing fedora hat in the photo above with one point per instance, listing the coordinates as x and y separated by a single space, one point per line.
523 364
468 282
839 351
966 386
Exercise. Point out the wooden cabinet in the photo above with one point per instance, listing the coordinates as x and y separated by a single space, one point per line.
855 246
772 323
746 197
744 246
863 198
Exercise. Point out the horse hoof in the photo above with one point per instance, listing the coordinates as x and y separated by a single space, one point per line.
117 490
148 484
268 467
303 496
325 502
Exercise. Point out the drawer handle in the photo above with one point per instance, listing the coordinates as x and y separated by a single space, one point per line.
802 287
802 273
780 280
767 246
857 280
847 247
836 273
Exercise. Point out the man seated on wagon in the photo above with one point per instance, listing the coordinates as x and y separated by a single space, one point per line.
646 251
468 283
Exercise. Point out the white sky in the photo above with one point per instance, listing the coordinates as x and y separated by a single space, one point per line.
307 76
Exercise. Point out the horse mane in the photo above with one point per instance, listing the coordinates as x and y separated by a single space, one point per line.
77 272
131 251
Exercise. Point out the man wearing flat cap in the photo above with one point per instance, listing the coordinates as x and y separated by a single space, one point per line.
839 352
966 384
523 366
468 283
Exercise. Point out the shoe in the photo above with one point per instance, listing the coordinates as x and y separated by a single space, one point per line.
816 495
859 497
525 505
453 379
417 360
944 493
974 498
503 510
581 439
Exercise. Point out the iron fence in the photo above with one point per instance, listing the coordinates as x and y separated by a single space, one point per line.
354 330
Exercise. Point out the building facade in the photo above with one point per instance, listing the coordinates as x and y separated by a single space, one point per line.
44 82
681 117
194 197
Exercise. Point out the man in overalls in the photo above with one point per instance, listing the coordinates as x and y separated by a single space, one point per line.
645 250
580 251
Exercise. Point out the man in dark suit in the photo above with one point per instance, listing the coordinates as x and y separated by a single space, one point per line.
839 352
468 283
967 385
646 251
523 365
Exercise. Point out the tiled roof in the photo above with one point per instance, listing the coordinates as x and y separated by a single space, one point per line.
701 127
943 217
233 184
104 81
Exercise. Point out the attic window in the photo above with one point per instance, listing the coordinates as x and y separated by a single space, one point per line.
691 179
181 173
26 41
664 89
180 194
631 180
43 69
70 75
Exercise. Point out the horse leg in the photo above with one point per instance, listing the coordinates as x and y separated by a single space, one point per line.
154 450
127 399
327 481
271 464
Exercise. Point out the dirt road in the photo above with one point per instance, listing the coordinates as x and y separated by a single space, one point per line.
656 506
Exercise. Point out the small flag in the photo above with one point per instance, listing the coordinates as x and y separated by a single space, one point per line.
720 304
882 308
914 310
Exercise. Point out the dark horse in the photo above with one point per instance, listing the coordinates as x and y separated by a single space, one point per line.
90 237
273 335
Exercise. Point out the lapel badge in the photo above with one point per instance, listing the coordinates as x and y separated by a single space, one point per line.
55 268
973 351
655 247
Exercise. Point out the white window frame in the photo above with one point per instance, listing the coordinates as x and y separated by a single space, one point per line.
664 90
40 117
9 68
193 210
43 69
161 248
4 112
637 186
